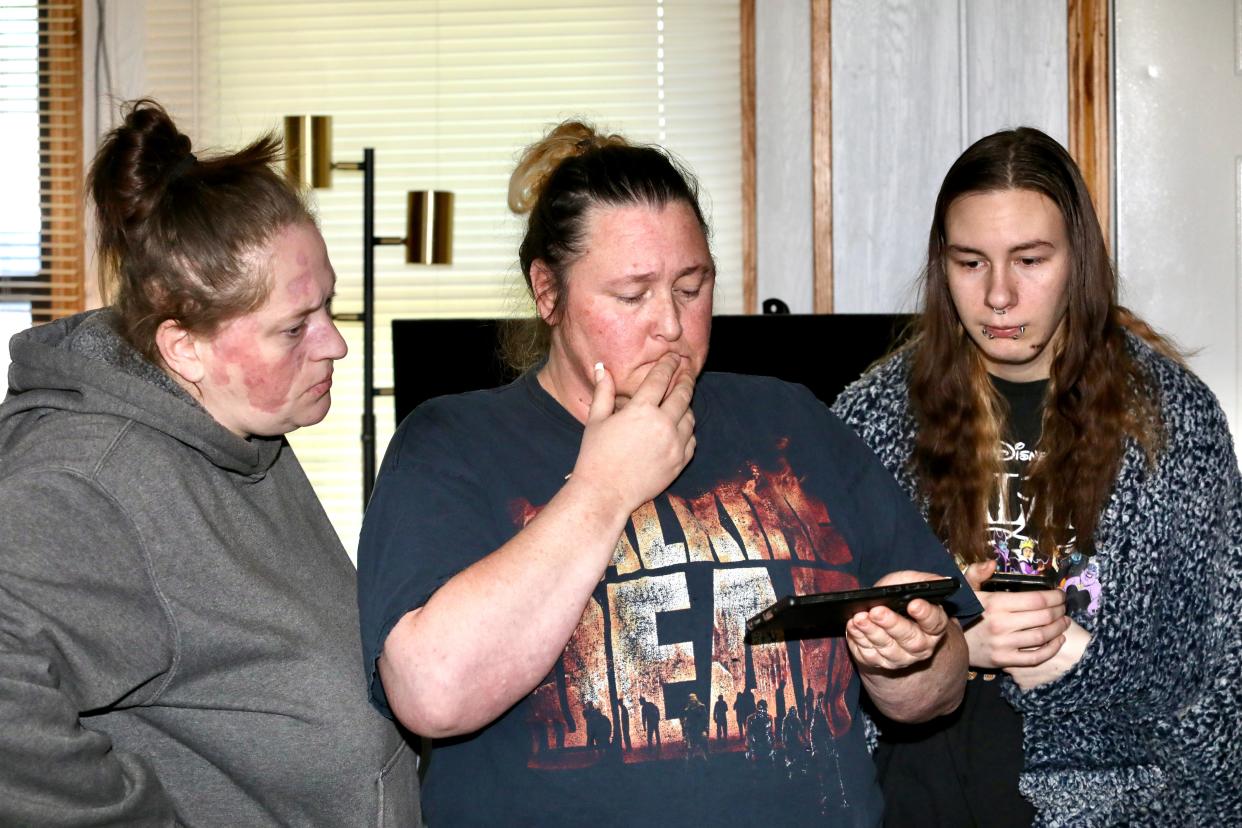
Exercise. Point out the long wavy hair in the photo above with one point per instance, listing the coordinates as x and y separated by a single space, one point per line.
1098 395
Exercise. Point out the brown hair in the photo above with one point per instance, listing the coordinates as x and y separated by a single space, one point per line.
180 237
555 184
1097 397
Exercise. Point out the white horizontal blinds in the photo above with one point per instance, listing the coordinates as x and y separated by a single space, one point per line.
40 153
170 60
702 83
448 93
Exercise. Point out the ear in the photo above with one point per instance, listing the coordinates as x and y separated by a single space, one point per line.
543 286
178 349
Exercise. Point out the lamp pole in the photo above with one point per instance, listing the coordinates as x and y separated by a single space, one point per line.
368 327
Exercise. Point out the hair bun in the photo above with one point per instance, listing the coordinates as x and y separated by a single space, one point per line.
157 144
134 167
568 139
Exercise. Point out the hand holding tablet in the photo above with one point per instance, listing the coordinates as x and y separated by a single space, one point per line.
826 613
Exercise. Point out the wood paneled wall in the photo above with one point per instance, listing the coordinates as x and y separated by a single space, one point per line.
914 84
897 90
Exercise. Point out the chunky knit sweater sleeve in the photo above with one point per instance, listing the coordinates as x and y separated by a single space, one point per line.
1144 730
877 407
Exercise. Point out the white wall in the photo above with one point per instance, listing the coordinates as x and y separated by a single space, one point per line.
14 318
1179 178
914 82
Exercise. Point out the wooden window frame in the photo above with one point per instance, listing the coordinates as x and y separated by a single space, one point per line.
60 137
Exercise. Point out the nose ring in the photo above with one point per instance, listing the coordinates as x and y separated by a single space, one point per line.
999 311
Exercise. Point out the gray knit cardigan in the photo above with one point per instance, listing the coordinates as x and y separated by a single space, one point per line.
1147 728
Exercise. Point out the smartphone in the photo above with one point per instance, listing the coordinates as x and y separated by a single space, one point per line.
827 612
1015 582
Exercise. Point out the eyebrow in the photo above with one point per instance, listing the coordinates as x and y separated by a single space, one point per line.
307 310
707 269
1017 248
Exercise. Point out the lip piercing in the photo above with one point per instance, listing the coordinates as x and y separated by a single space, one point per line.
990 335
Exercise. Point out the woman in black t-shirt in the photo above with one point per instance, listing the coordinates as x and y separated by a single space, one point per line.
541 559
1047 431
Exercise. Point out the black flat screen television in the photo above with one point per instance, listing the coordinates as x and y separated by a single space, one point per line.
432 357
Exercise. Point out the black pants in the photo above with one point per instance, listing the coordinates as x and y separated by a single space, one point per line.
957 770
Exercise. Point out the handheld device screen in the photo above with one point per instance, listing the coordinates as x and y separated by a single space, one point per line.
826 613
1015 582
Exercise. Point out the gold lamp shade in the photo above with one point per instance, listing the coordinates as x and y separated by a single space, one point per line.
321 151
442 229
429 215
417 213
294 148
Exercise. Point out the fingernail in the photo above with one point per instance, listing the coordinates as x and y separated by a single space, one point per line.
599 371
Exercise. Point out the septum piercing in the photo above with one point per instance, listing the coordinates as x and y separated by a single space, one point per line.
999 311
990 335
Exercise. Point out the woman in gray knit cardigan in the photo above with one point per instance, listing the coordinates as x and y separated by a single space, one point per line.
1047 431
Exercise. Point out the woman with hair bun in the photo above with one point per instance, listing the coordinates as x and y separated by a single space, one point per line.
1051 435
540 560
178 639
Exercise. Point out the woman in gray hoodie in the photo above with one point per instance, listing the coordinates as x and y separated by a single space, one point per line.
178 633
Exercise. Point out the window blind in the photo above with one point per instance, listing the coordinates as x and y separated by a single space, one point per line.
41 246
448 93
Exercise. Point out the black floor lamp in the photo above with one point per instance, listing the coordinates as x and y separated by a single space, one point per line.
428 240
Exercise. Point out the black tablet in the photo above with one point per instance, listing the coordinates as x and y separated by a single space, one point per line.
828 611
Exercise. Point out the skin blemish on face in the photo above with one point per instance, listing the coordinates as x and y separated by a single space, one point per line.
269 371
267 382
303 285
269 385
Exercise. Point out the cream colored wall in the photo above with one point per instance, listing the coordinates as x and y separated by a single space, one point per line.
1178 72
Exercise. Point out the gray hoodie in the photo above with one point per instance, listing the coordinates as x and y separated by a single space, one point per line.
178 630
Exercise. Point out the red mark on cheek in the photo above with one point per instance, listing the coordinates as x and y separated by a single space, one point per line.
267 381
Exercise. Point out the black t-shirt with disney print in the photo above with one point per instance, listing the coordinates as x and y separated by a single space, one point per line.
1011 537
963 769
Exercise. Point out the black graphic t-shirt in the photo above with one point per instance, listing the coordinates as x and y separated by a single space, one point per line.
963 769
1011 537
660 711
